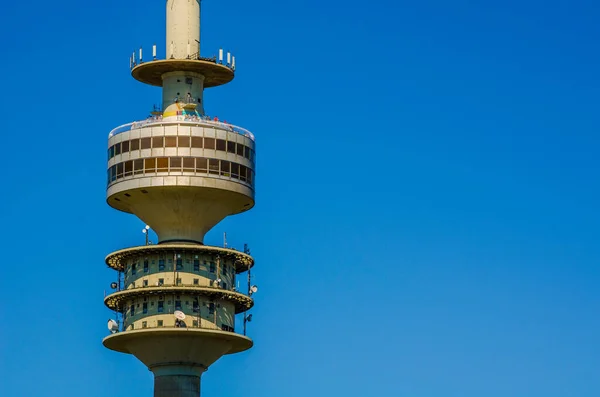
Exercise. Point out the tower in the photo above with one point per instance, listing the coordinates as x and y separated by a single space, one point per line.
181 172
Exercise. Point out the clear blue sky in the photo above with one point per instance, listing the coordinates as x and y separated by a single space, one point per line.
427 195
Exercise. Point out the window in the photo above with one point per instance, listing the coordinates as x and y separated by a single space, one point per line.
146 265
145 143
161 282
211 308
157 142
170 141
111 152
145 308
201 164
188 164
119 170
247 152
145 283
132 310
243 172
125 147
221 144
162 164
177 305
135 144
150 165
235 170
195 323
195 307
225 167
196 281
138 166
160 323
196 265
178 281
231 147
197 142
117 149
175 164
239 149
209 143
161 306
213 166
134 269
161 265
212 267
224 285
144 324
224 269
184 141
179 263
128 168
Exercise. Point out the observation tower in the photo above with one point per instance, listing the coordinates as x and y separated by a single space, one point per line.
181 172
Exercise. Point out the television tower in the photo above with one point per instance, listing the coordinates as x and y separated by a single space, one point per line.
181 172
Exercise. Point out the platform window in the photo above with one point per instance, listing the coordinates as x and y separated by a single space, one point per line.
138 166
145 284
161 264
178 281
235 170
213 267
135 144
145 308
225 167
196 281
189 164
247 152
213 166
195 307
131 310
144 324
197 142
176 164
183 141
161 282
250 177
146 265
230 147
243 172
146 143
161 306
177 305
211 308
221 144
111 152
224 269
124 146
120 170
170 141
162 164
195 323
128 168
201 165
239 149
117 149
209 143
158 142
159 323
134 269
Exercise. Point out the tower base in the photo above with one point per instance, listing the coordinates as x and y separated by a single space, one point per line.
177 380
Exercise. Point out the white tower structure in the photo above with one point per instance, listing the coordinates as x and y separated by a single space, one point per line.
181 172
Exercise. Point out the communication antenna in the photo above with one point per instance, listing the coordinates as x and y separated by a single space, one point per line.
253 290
146 230
247 319
179 315
225 239
113 326
114 285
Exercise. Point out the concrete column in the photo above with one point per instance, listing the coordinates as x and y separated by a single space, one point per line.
180 85
183 28
177 380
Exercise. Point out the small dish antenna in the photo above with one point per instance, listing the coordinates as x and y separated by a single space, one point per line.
114 285
113 326
179 315
253 289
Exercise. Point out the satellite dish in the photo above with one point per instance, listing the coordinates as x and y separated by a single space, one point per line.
114 285
249 318
179 315
254 289
113 326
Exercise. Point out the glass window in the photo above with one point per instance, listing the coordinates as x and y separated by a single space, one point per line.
183 141
196 281
194 323
250 175
161 282
111 152
160 322
240 149
135 144
230 147
145 143
161 306
211 308
134 269
120 170
195 307
201 163
212 268
221 144
161 265
117 149
235 170
247 152
138 166
113 173
179 264
196 265
188 164
170 141
209 143
225 168
146 264
132 310
145 308
129 168
213 166
162 164
125 147
224 269
175 164
243 172
177 305
178 281
197 142
150 165
144 324
145 283
158 142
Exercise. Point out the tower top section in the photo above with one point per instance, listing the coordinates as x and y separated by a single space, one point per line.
183 29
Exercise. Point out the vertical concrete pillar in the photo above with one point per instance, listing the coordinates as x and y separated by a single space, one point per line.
177 380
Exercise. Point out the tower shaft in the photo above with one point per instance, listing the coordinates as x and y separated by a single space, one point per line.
183 28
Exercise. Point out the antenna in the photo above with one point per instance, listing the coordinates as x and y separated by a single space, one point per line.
225 239
179 315
113 326
253 290
114 285
146 230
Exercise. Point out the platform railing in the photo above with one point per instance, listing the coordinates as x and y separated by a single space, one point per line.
203 120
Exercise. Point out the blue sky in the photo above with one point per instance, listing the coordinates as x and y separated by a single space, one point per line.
427 195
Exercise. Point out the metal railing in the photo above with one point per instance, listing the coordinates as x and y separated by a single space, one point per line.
190 322
214 285
203 120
